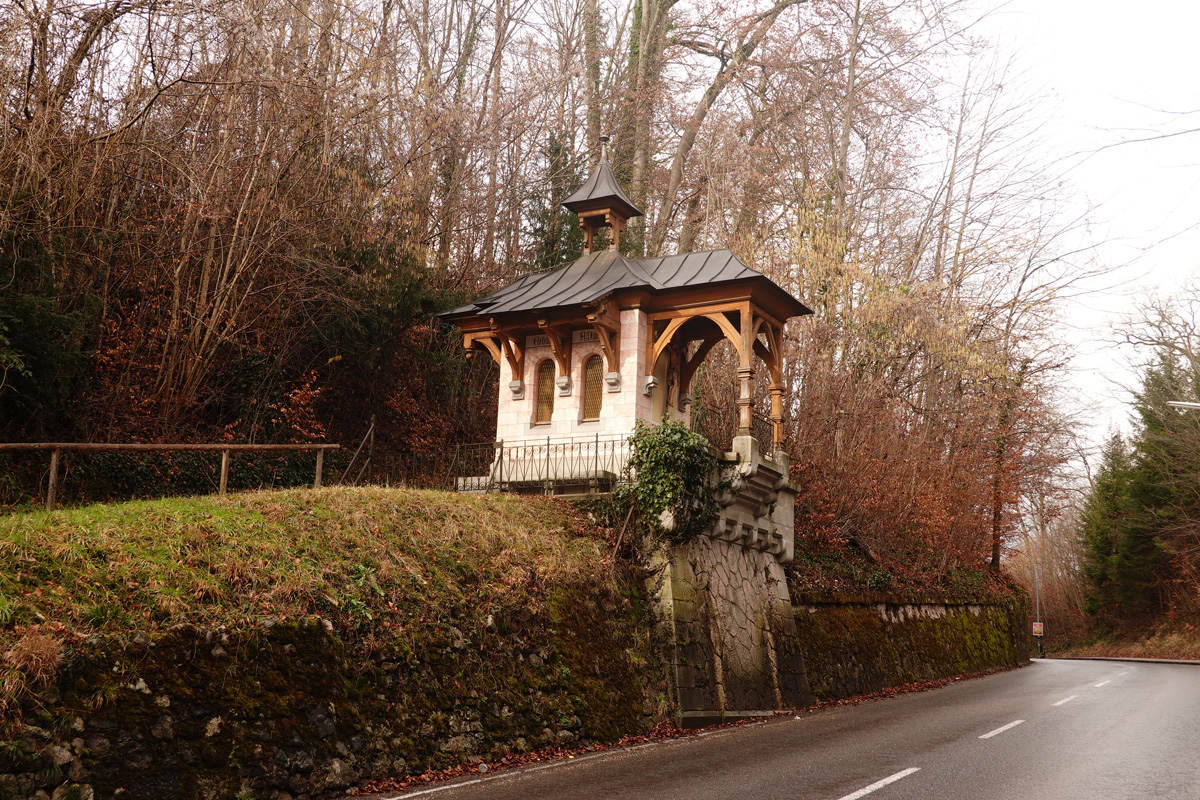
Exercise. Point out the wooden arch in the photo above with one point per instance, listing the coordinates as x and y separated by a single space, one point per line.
742 324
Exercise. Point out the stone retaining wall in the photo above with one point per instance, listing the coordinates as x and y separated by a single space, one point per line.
287 711
858 645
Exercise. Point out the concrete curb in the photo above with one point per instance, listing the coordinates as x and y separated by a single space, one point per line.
1141 660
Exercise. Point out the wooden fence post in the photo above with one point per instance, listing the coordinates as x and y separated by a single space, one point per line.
224 470
53 488
320 463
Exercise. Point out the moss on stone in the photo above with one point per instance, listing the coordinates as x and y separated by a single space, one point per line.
859 645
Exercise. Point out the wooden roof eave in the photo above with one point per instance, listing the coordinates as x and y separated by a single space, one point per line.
760 293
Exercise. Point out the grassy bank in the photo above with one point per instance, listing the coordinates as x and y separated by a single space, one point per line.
372 632
389 557
1177 641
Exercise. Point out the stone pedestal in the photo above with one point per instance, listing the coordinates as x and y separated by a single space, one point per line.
724 603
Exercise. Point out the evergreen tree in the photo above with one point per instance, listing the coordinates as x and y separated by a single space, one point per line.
557 235
1104 513
1141 507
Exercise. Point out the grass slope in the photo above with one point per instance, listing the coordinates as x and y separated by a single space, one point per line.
387 567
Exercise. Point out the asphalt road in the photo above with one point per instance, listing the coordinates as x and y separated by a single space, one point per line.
1054 729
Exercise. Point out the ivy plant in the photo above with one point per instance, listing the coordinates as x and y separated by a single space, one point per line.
672 478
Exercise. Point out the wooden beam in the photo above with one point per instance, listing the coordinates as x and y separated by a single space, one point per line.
52 489
661 343
688 370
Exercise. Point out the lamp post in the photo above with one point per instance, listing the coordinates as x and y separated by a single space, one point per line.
1183 404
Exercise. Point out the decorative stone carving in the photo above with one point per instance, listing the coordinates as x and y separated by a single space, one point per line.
649 385
564 385
758 506
518 389
613 381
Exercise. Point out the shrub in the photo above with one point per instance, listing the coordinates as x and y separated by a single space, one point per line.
673 478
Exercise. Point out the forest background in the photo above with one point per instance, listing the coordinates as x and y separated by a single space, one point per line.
232 222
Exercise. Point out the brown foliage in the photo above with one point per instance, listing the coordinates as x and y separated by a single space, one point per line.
37 656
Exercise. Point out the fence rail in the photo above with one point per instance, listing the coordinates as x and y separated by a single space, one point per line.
57 448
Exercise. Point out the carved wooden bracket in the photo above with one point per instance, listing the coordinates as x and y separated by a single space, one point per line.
688 368
608 329
560 346
488 340
771 353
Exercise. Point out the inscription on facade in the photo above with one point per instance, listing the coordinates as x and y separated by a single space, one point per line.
585 336
577 337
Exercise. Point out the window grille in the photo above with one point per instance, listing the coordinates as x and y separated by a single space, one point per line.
545 391
593 380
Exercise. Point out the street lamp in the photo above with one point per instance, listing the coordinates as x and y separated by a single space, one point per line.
1183 404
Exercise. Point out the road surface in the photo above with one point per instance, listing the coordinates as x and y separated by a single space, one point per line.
1054 729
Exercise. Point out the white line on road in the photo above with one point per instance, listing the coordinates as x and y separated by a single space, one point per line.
1002 729
436 789
1066 700
1121 674
866 790
1101 683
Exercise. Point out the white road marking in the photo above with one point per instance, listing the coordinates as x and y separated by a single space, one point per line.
866 790
424 792
1002 729
1120 674
1101 683
1067 700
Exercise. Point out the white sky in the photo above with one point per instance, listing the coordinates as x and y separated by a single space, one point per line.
1112 71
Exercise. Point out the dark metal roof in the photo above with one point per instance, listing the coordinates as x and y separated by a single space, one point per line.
597 274
602 191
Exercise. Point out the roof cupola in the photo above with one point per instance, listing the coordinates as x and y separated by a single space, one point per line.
601 202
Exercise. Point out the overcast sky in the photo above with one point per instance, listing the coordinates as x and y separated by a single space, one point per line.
1112 72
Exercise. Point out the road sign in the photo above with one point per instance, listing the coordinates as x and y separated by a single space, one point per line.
1037 629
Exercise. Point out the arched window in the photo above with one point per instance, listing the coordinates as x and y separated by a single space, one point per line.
545 391
593 381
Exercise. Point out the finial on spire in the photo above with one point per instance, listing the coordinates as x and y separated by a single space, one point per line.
604 140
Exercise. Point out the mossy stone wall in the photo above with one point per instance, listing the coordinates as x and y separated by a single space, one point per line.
857 645
728 618
289 711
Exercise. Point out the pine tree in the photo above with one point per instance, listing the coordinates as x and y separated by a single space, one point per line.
1104 515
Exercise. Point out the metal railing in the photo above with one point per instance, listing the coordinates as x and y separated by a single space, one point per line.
549 464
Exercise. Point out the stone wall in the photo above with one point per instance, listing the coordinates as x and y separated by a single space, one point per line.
286 711
858 645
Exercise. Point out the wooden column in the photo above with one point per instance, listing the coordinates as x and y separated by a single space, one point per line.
746 375
320 464
224 470
777 432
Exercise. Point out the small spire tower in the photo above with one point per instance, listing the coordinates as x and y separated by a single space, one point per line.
600 202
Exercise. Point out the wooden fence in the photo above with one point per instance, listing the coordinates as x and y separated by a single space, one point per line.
57 448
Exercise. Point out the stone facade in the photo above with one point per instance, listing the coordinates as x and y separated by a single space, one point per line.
623 401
